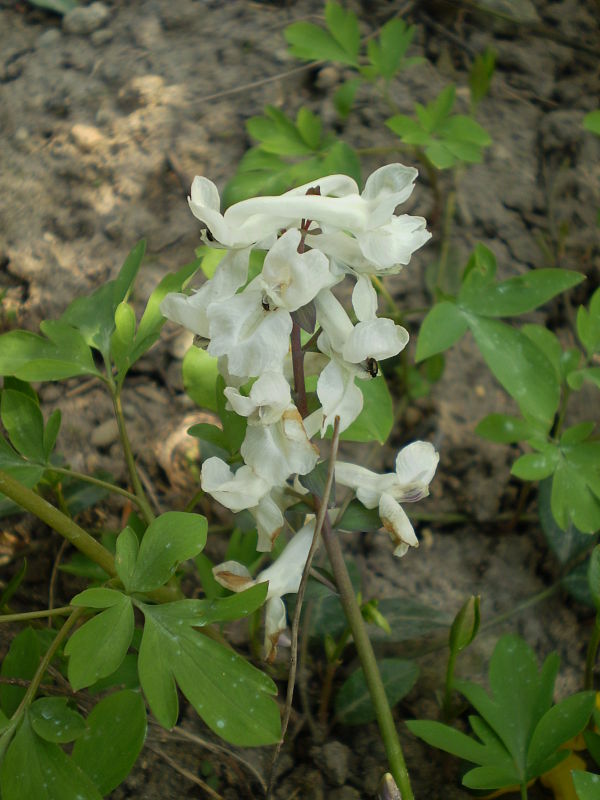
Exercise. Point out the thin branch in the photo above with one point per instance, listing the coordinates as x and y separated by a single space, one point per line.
191 776
322 514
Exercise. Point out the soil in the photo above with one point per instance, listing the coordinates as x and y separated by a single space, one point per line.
105 125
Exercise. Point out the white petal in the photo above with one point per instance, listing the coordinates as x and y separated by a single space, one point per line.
187 310
334 185
269 522
397 524
415 467
277 451
369 486
272 396
386 188
275 624
293 279
254 340
236 492
393 244
205 205
364 299
334 320
374 338
339 396
233 576
242 405
284 574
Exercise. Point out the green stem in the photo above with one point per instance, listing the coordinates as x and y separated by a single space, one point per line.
55 519
447 703
53 612
385 720
142 500
110 487
590 660
29 695
523 791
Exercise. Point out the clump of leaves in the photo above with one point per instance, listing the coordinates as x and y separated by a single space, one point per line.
520 733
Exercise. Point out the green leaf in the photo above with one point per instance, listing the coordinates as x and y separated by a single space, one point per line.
343 26
343 99
358 518
565 544
504 429
576 379
21 662
353 705
116 730
376 419
170 539
94 316
212 438
577 433
440 155
519 294
409 619
98 597
408 129
572 499
592 742
588 324
34 768
586 784
561 723
591 122
548 343
490 777
443 326
64 354
311 43
200 377
53 720
97 648
536 466
449 739
481 74
462 129
520 367
51 432
231 696
24 423
386 53
440 107
309 127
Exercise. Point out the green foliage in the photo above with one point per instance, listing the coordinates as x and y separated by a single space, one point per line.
58 6
521 734
447 139
339 42
591 122
288 154
481 75
377 416
353 704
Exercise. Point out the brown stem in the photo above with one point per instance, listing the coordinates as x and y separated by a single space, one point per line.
298 367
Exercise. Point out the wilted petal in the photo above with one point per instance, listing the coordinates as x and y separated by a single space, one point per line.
275 624
374 338
397 524
277 451
415 467
236 492
338 395
233 576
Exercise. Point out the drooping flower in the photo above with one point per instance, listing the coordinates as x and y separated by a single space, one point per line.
284 576
415 467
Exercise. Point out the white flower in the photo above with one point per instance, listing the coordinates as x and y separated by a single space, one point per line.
415 467
244 489
190 310
284 576
279 450
269 397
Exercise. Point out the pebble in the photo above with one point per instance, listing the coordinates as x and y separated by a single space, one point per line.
102 37
334 761
83 20
49 38
86 137
105 434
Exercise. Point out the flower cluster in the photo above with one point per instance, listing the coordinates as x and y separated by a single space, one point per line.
313 238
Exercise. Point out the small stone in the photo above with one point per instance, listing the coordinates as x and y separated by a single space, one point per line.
21 135
49 38
327 78
105 434
334 761
83 20
102 37
86 137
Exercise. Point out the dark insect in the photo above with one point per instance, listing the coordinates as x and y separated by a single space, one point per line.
372 367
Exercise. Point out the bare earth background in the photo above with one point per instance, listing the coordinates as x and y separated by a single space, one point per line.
105 121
